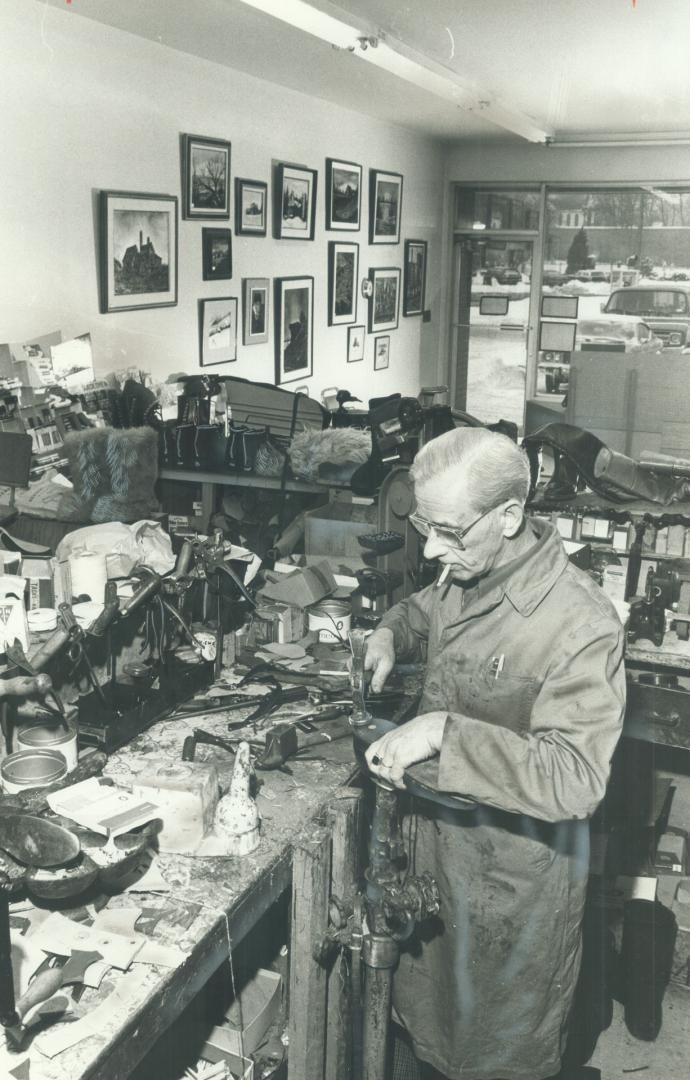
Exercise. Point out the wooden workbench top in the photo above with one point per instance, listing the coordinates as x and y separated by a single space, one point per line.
231 895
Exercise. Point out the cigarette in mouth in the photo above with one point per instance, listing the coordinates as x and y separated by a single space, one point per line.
444 574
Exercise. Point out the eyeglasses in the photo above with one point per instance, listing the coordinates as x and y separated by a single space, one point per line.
445 533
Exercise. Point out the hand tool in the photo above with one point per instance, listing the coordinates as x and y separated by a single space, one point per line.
284 741
358 678
18 687
207 739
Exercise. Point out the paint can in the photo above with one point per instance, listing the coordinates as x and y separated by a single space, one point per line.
50 737
32 769
331 619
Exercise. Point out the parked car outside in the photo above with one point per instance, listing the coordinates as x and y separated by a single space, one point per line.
552 278
607 333
504 275
664 306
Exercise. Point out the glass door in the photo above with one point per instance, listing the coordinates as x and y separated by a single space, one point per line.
490 327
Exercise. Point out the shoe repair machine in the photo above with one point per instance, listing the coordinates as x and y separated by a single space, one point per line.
392 902
177 663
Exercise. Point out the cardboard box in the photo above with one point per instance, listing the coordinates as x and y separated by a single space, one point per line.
302 588
256 1008
276 622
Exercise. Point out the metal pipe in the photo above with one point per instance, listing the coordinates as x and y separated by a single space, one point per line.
378 985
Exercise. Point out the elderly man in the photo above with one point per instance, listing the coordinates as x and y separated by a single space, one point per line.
523 702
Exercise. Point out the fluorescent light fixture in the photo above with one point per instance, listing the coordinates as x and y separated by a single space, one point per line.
656 138
331 24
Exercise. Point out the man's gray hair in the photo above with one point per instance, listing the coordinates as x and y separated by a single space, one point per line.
495 467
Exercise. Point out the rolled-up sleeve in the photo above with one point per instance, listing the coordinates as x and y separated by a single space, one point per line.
409 622
559 769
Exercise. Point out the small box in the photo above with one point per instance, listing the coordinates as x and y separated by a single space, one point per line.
277 622
186 796
613 581
670 854
250 1016
40 591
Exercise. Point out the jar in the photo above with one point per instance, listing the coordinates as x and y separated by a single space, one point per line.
50 737
331 619
32 769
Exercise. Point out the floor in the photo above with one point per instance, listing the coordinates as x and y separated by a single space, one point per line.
618 1054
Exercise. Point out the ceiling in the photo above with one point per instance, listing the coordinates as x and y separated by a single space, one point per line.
583 68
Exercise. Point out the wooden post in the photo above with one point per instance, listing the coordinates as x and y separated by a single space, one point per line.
311 872
345 816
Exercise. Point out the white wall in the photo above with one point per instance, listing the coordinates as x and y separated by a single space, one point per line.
86 107
505 161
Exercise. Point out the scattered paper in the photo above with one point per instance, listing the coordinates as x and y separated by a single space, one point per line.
104 1020
103 808
60 936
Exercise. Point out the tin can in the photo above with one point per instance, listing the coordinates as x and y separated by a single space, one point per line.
331 619
50 737
32 769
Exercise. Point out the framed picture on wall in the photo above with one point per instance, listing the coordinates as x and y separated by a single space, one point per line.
294 322
137 250
251 207
216 253
206 177
343 270
385 206
355 344
382 352
217 330
343 195
295 202
384 298
414 278
255 307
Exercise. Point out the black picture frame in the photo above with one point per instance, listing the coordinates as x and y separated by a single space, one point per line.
127 263
217 316
245 210
216 254
294 328
355 343
414 277
343 195
384 300
294 202
343 278
255 308
382 352
206 166
385 206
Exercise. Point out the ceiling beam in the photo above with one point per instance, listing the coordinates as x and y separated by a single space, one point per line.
334 26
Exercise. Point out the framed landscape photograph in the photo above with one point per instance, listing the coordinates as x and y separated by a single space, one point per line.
216 251
385 206
414 278
355 344
343 270
294 322
217 330
251 207
343 195
295 202
382 352
206 177
384 300
137 251
255 308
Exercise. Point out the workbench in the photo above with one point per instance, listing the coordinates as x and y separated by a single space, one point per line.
231 894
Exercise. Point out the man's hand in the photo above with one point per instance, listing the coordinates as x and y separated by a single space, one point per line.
414 741
379 657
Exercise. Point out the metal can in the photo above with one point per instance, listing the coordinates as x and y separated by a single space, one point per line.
331 619
50 737
32 769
